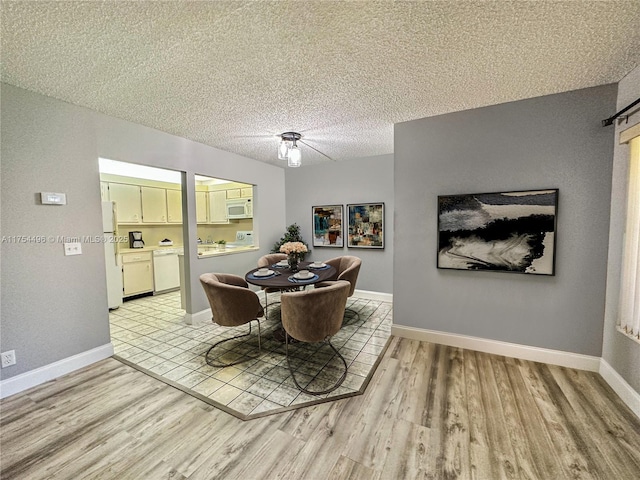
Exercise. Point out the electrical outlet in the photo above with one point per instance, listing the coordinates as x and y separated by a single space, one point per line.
74 248
8 358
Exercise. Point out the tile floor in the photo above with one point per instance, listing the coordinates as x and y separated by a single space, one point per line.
149 334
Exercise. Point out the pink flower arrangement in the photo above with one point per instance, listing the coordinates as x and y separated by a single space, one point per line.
293 247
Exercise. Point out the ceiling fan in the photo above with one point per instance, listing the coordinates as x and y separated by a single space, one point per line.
288 148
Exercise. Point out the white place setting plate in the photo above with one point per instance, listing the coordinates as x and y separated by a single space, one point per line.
265 274
283 263
300 277
322 265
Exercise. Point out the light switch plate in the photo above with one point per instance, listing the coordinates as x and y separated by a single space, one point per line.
74 248
53 198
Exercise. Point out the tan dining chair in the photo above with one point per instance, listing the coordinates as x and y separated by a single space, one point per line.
267 261
314 316
347 268
232 304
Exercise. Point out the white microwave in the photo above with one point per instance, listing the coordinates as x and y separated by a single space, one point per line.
239 208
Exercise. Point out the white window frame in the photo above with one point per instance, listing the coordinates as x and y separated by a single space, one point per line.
629 311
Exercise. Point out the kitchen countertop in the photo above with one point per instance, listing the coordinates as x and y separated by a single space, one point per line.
149 248
209 250
204 250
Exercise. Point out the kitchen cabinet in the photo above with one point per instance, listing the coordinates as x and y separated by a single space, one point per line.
154 204
246 192
127 198
174 206
201 207
233 193
137 273
218 207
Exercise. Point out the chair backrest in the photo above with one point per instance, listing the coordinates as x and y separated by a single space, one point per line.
268 260
231 301
348 268
315 314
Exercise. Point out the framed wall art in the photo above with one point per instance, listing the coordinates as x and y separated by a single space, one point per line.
366 225
505 232
327 226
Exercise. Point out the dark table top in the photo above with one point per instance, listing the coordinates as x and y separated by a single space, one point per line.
281 278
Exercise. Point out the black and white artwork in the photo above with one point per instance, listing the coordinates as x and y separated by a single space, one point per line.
505 232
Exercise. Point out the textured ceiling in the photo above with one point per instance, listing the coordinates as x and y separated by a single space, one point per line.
234 74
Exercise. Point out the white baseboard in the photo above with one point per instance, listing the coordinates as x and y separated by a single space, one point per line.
524 352
619 385
368 295
202 317
26 380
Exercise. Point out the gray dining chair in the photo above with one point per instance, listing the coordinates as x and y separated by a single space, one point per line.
347 268
314 316
267 261
232 304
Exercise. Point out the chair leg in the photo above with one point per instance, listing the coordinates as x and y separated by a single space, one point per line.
354 317
244 359
311 392
266 304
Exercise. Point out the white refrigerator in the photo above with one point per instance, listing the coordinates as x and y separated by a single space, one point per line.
112 263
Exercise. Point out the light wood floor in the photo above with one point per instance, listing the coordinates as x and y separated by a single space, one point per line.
430 411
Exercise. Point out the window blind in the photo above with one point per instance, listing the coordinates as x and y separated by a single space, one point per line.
629 312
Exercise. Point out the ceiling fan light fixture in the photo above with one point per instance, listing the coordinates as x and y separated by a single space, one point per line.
283 149
288 149
295 156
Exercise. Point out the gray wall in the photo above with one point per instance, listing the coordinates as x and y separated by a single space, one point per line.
548 142
54 306
360 180
129 142
621 352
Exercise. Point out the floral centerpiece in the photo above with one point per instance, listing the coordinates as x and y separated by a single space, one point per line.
294 251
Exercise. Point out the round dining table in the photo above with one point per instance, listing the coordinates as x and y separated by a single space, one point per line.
283 278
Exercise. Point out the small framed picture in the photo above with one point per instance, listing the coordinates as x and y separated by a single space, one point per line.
366 225
327 226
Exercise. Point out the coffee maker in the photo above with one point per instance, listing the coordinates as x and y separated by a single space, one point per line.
135 240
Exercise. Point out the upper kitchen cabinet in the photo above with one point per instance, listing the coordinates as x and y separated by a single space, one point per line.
218 207
243 192
174 206
233 193
201 207
154 205
127 198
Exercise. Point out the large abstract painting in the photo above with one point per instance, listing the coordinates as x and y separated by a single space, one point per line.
505 232
366 225
327 226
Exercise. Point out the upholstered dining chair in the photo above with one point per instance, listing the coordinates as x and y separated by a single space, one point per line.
347 268
267 261
232 305
314 316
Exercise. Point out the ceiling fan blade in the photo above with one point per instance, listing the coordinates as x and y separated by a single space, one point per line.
313 148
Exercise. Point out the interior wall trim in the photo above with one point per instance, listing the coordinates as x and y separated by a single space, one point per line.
369 295
202 317
497 347
33 378
619 385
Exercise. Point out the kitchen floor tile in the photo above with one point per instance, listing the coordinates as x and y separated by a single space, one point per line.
150 333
